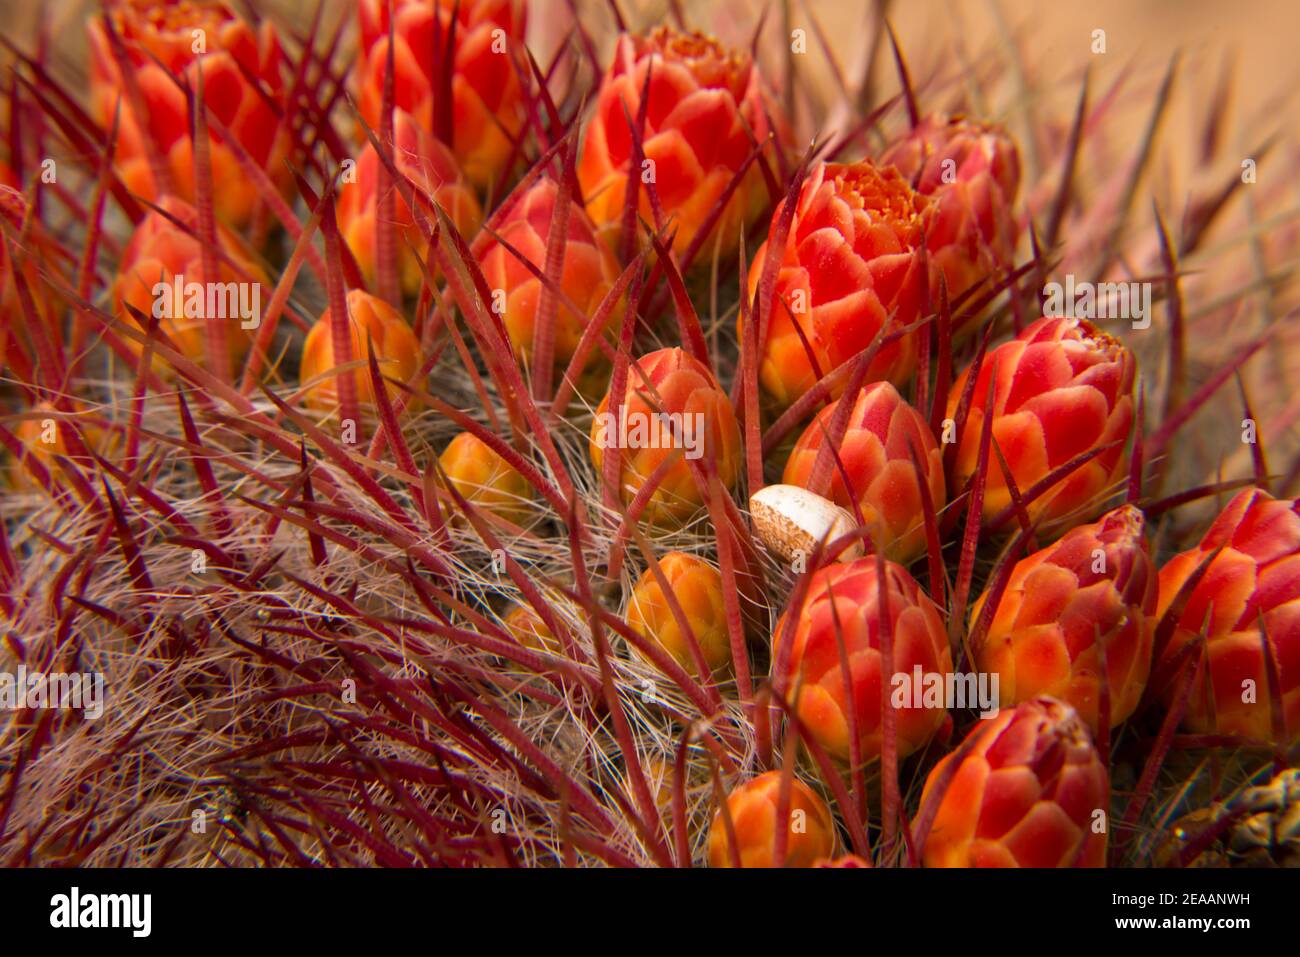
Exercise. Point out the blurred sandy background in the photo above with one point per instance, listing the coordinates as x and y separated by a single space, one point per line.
1252 38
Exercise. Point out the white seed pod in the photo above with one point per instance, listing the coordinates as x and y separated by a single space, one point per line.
791 521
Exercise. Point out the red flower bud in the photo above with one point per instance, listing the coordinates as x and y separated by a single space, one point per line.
1032 792
849 269
433 172
162 275
1062 388
707 110
875 455
1094 589
242 88
590 269
753 808
672 406
486 111
972 171
1250 589
396 350
841 605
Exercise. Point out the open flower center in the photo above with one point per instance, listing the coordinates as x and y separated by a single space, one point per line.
711 63
13 206
169 18
864 186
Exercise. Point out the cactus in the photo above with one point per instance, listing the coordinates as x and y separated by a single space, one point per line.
672 415
553 508
1062 390
1087 599
753 815
843 607
443 44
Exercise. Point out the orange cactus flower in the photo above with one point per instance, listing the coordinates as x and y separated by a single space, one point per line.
753 808
15 208
876 457
844 860
672 406
1251 589
487 480
589 271
1063 388
972 171
243 89
707 109
1027 794
697 586
161 275
43 435
396 350
523 623
1095 588
433 172
850 263
486 109
843 598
